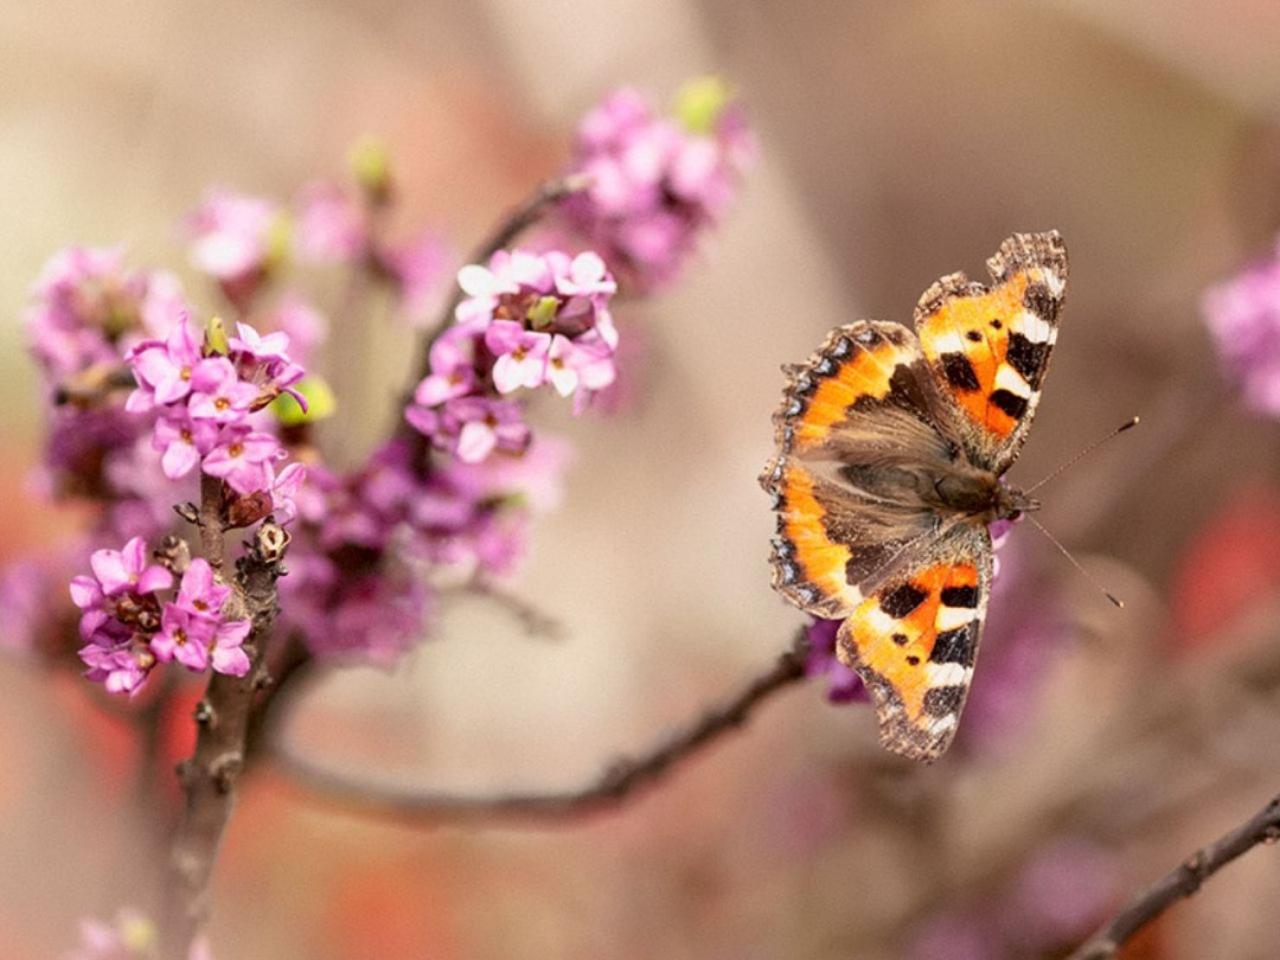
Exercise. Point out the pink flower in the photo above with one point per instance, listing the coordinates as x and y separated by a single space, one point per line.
182 442
185 637
285 487
218 393
843 684
241 458
472 427
1243 315
331 227
570 366
227 654
586 277
521 355
164 370
231 235
418 268
452 365
264 360
269 349
120 668
127 570
199 593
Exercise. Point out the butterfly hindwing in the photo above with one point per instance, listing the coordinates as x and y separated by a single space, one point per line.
832 537
915 638
988 347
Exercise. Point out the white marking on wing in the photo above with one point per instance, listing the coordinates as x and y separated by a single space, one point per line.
1033 328
948 674
1009 379
952 618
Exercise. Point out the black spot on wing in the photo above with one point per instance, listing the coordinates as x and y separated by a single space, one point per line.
960 597
1012 404
959 371
901 600
1027 358
1041 302
955 646
943 701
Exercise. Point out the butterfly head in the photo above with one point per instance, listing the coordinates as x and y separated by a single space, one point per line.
1010 503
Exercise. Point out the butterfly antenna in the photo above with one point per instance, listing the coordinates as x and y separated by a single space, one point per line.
1127 425
1073 561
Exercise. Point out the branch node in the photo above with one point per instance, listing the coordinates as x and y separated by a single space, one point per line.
1197 865
205 715
224 771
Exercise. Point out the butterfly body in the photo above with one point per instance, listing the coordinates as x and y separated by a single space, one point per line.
892 446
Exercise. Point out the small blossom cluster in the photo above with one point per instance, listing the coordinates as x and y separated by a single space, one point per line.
244 243
88 310
144 398
205 398
1243 315
355 587
528 320
657 183
128 627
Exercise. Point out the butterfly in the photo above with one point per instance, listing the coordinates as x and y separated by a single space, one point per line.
891 448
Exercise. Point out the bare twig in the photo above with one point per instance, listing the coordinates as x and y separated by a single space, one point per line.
622 780
222 718
1181 882
535 621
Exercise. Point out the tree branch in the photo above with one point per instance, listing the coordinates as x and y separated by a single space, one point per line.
222 718
620 781
1181 882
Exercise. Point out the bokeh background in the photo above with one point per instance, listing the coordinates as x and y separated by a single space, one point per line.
898 142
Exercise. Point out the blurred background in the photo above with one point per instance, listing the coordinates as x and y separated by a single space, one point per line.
898 142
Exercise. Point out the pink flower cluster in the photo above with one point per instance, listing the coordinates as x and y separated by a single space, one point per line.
87 311
235 237
88 307
355 587
657 183
1243 315
205 400
528 320
128 628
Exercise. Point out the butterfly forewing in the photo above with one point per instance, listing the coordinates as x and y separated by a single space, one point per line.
989 347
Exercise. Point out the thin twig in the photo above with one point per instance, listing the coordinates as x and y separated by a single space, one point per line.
222 720
1181 882
535 621
622 780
